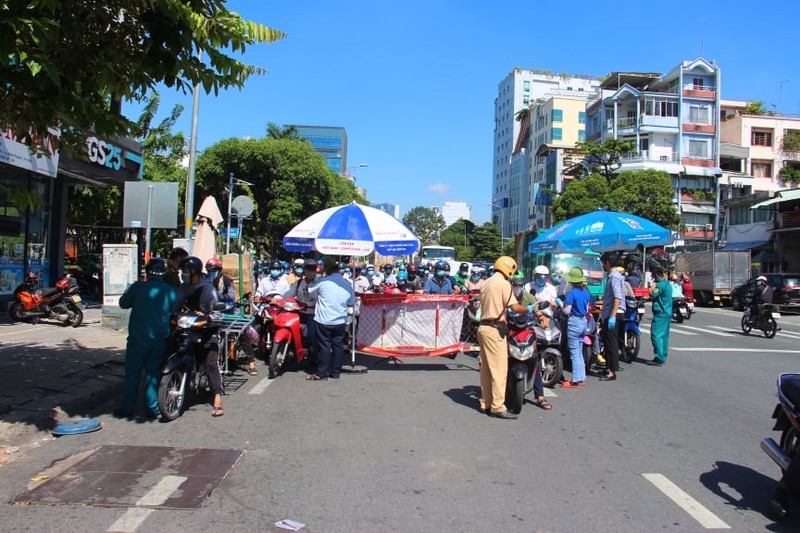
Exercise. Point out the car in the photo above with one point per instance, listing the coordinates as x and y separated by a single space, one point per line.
785 290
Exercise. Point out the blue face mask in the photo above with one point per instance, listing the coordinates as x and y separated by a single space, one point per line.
298 271
476 277
214 274
275 273
440 273
541 282
556 279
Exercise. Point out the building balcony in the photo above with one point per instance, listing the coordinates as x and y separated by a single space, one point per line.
699 91
649 156
698 128
697 232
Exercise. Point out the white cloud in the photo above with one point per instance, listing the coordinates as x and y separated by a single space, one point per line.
439 187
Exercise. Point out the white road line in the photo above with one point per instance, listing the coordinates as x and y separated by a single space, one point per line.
701 330
260 387
747 350
672 329
20 331
550 394
788 334
135 516
695 509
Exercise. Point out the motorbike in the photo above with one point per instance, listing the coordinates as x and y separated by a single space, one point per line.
282 334
787 421
523 357
766 319
680 310
61 303
548 348
185 370
631 334
472 318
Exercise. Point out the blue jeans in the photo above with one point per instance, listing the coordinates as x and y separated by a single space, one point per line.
147 355
330 340
576 330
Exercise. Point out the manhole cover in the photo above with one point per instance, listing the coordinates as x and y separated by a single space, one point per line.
137 476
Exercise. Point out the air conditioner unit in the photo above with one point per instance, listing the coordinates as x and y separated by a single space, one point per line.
664 158
709 227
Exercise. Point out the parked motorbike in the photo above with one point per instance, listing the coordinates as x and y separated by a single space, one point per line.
185 370
522 357
282 334
61 303
787 421
631 334
766 319
680 310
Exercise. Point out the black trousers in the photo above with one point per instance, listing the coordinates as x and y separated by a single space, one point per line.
610 338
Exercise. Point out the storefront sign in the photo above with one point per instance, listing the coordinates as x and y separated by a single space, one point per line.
15 153
103 153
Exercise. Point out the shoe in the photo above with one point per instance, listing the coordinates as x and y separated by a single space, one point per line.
572 385
217 411
609 377
314 377
334 377
251 370
152 416
655 362
779 503
119 413
505 415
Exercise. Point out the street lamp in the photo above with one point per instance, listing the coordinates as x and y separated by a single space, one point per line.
237 181
348 169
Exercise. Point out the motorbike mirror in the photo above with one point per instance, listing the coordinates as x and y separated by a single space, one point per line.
543 305
220 306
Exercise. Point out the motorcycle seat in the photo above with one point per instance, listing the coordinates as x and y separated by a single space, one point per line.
790 386
49 292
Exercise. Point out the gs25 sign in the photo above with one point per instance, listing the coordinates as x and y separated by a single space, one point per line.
103 153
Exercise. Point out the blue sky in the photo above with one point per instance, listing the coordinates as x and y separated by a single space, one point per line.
414 82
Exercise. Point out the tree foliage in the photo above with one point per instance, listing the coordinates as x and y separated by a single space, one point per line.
645 193
459 236
281 132
486 241
290 182
426 224
605 158
581 196
64 61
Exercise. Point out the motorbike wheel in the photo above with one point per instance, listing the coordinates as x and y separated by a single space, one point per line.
552 368
17 312
679 317
632 346
746 327
790 441
170 399
276 358
515 394
587 357
75 316
770 327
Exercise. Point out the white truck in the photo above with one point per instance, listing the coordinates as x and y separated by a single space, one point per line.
714 274
433 253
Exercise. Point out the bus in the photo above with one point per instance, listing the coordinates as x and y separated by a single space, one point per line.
589 262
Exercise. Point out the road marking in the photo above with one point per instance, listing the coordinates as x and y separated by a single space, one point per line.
701 330
135 516
20 331
695 509
789 334
261 386
748 350
672 330
550 394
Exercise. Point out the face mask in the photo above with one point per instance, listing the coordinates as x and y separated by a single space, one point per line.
476 277
213 275
275 273
540 282
556 280
185 277
298 271
440 273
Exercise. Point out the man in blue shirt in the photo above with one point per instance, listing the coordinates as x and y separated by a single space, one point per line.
335 298
439 283
151 303
612 313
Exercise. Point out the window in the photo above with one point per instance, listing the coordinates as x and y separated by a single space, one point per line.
661 108
760 137
526 85
558 115
557 133
582 117
698 148
762 169
581 135
698 114
644 144
526 99
697 84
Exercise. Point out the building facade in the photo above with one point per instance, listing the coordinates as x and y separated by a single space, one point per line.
391 209
673 121
511 180
454 211
329 141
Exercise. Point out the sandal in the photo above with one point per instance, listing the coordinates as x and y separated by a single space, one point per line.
217 411
572 385
314 377
542 403
251 370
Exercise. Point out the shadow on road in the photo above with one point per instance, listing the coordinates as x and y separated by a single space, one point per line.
746 490
467 396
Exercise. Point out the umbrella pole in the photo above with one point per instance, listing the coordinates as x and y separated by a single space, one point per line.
353 368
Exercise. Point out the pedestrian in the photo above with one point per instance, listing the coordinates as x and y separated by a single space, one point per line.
577 307
497 298
151 303
661 294
173 276
335 300
611 314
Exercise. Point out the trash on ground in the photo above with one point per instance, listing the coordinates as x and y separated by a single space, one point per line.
291 525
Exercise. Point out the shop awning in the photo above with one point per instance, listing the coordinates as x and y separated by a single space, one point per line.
782 196
744 245
701 209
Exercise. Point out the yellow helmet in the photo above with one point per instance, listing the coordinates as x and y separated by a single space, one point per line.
506 266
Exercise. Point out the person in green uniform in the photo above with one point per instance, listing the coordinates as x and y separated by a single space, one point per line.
151 303
661 293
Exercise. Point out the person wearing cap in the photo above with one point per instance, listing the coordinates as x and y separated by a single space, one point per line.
677 291
576 305
151 303
661 294
612 313
388 274
226 292
360 281
475 281
762 294
335 299
300 291
297 271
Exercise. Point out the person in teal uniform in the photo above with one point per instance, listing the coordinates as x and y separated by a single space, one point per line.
151 303
661 293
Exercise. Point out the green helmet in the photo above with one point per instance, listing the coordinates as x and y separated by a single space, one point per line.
518 279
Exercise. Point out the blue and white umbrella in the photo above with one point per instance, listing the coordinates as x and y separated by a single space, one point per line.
351 229
602 231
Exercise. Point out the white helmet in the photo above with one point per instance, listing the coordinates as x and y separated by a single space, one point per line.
541 269
761 278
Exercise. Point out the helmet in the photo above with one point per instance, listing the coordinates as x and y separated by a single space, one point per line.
298 262
476 270
446 266
276 265
506 266
265 265
463 267
541 270
412 267
156 267
213 264
518 279
402 275
674 277
762 278
192 264
388 267
440 265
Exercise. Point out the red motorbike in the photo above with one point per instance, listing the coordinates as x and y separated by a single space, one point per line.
61 303
281 333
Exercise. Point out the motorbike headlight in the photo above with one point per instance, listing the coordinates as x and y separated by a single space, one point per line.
290 306
187 321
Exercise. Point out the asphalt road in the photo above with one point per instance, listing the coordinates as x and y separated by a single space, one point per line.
404 449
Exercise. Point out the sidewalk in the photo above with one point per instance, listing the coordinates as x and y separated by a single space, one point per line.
49 373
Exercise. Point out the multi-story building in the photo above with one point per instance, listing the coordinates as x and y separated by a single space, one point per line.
328 141
673 120
511 182
392 209
754 147
453 211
